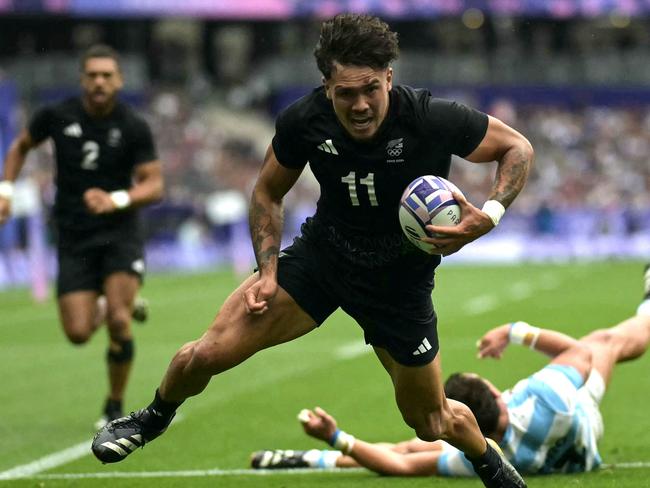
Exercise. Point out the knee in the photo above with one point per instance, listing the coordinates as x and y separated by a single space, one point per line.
77 336
118 320
77 332
600 336
205 358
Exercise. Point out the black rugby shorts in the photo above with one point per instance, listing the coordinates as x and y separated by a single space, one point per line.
86 259
395 312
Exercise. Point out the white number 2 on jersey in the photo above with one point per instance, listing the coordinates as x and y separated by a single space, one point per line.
90 150
368 181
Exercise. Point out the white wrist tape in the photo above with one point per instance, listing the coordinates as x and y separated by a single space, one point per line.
120 198
523 334
6 189
494 210
342 441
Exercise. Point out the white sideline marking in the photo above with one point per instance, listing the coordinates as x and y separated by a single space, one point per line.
55 459
48 462
198 473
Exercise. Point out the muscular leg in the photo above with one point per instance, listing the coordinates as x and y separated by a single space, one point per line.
77 311
421 399
623 342
120 290
233 337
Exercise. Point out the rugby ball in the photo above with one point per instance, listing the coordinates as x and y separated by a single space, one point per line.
428 200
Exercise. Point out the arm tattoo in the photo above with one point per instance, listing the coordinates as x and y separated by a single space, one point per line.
266 229
511 175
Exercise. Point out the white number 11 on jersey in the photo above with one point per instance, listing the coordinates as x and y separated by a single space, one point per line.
368 181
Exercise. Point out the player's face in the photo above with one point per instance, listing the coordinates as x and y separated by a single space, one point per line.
100 81
360 98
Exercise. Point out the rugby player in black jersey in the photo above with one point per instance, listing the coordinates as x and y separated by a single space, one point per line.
365 140
106 167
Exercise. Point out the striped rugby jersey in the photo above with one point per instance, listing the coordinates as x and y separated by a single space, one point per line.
549 430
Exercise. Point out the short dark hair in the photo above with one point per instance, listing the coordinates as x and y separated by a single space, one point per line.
353 39
475 393
99 51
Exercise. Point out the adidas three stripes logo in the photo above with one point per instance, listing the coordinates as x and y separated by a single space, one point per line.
328 147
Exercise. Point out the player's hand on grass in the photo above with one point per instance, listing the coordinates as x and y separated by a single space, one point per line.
494 342
5 209
259 295
98 201
474 223
318 423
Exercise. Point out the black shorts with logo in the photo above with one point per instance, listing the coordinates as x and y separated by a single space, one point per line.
393 307
87 258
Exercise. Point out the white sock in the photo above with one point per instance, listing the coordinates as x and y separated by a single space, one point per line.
644 308
324 459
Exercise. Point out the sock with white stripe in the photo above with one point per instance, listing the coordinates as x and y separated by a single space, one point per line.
325 459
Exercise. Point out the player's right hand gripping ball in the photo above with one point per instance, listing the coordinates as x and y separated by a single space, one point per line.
428 200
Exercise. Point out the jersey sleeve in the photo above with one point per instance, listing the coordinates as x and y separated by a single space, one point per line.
144 149
453 462
39 126
460 127
286 142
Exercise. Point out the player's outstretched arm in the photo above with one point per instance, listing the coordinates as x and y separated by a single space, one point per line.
547 341
378 458
13 163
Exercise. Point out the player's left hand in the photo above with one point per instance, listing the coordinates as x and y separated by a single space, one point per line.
494 342
318 423
98 201
474 223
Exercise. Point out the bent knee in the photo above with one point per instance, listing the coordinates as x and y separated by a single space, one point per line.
600 336
118 320
207 358
78 336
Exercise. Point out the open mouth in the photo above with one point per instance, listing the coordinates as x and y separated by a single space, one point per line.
360 123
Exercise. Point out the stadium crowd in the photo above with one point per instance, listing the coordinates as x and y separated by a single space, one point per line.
591 165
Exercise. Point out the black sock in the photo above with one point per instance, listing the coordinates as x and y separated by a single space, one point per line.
163 409
113 406
488 457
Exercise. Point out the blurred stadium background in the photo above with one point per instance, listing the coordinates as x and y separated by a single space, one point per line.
573 75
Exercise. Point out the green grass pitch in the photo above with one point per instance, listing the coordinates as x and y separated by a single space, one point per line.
52 391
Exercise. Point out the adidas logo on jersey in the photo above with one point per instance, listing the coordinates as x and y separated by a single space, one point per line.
73 130
422 348
328 147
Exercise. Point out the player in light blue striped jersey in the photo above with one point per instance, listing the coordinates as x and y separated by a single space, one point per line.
549 422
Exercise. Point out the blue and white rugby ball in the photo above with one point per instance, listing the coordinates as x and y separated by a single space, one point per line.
428 200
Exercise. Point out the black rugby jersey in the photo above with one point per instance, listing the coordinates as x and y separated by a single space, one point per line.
92 152
361 182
